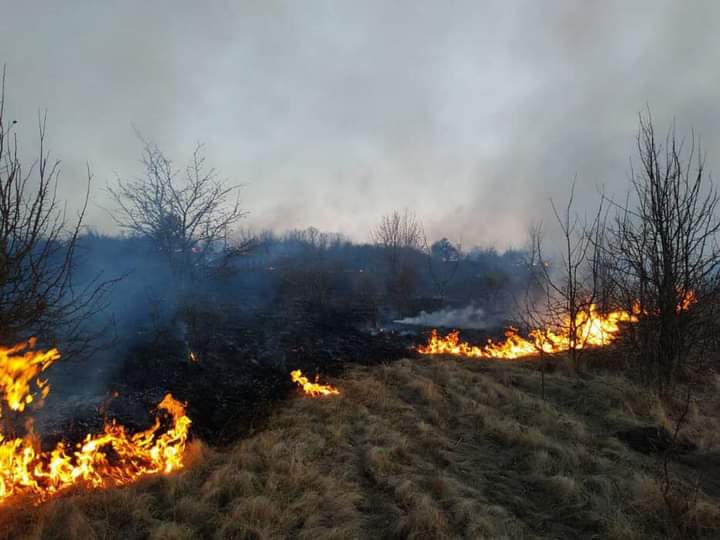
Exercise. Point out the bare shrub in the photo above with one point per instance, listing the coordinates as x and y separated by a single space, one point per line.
560 301
663 250
38 247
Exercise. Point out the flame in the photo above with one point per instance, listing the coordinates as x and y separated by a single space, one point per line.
111 458
19 365
313 389
687 300
594 329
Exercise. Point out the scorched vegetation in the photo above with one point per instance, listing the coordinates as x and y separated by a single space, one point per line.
438 448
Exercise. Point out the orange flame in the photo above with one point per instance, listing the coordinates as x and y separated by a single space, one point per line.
687 300
111 458
313 389
594 329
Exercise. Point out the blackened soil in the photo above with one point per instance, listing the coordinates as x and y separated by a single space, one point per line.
242 367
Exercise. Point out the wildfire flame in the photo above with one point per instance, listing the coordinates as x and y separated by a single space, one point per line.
313 389
594 329
111 458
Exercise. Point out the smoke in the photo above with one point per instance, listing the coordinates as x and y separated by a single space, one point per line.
338 112
469 317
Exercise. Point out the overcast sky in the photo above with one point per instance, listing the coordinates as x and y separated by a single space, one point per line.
331 113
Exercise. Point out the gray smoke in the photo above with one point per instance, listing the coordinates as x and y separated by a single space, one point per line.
469 317
333 113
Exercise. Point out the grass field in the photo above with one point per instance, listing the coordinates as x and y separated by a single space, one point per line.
428 448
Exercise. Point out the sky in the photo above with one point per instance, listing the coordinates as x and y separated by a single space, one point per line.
472 114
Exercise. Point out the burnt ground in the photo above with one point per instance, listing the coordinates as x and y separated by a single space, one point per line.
241 370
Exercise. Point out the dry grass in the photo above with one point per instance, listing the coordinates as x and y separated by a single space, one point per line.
429 448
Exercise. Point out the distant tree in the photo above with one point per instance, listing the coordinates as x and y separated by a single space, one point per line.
400 236
397 233
443 261
189 214
38 249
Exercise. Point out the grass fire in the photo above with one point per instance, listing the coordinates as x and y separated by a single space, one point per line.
111 458
359 270
314 389
590 329
595 330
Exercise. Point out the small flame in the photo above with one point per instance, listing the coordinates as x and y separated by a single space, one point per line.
313 389
193 357
687 300
111 458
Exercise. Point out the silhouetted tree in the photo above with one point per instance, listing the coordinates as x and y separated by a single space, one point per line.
189 214
400 236
664 251
38 249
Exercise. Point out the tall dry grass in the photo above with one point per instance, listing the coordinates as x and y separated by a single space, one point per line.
429 448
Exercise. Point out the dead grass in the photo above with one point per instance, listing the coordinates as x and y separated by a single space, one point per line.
429 448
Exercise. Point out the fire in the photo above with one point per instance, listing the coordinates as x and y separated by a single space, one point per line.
111 458
313 389
687 300
19 365
594 329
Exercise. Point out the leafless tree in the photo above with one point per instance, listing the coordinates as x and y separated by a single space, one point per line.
559 301
188 214
396 233
400 235
38 248
663 245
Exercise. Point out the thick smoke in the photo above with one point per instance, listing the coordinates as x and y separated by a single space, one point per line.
333 113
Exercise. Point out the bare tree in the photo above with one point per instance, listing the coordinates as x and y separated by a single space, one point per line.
396 233
399 235
38 248
558 302
663 245
188 214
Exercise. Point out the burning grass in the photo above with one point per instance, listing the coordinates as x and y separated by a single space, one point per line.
591 329
595 329
313 389
111 458
430 449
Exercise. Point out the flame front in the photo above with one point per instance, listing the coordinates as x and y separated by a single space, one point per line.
313 389
594 329
111 458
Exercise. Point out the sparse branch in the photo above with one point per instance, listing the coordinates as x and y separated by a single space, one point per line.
663 249
38 248
188 214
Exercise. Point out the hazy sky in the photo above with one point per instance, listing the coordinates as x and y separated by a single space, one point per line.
332 113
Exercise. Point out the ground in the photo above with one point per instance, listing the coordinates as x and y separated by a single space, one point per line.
422 448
